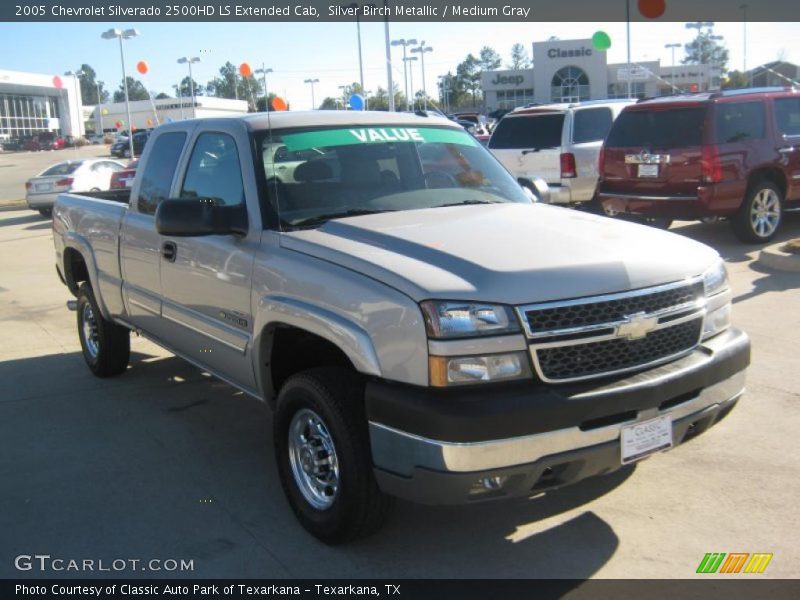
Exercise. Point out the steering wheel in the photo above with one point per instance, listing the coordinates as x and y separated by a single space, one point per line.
439 179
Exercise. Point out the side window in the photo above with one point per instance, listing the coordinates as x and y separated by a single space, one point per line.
214 171
737 121
591 125
160 168
787 115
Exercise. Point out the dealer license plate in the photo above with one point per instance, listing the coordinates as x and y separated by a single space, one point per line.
43 187
648 170
643 439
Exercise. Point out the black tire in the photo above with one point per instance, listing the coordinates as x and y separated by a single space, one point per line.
357 507
746 222
108 352
658 222
46 212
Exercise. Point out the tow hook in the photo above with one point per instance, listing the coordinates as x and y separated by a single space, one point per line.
72 305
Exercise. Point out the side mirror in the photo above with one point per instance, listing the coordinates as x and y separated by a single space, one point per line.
186 217
536 188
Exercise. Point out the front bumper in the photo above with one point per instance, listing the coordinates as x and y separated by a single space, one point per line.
435 447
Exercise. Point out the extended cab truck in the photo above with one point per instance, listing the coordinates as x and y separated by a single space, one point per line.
420 327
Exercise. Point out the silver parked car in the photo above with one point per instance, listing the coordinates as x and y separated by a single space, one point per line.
559 143
88 175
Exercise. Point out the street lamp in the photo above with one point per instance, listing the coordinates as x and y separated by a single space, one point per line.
444 81
421 50
78 102
126 34
743 8
357 7
411 79
672 47
263 72
185 60
98 84
388 49
312 82
344 95
404 43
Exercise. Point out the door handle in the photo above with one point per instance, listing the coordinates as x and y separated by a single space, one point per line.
169 251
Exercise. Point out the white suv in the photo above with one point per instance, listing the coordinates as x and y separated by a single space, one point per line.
559 143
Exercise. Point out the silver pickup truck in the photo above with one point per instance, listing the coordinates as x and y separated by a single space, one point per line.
421 328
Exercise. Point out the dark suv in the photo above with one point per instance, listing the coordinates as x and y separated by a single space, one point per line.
733 154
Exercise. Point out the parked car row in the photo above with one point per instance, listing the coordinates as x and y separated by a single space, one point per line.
730 154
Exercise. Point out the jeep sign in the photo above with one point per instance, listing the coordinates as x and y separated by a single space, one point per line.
515 80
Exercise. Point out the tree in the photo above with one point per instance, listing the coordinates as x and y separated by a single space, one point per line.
136 91
468 79
705 49
519 57
330 103
261 107
489 59
230 84
735 80
185 88
88 82
162 96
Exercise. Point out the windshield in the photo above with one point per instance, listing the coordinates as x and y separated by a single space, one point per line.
314 176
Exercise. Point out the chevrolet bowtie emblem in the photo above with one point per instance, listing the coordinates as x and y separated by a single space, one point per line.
637 326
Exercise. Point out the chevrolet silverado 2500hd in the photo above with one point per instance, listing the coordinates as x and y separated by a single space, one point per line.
420 327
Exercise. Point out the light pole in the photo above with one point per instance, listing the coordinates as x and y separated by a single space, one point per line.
411 79
366 99
421 50
443 82
672 47
404 43
76 130
312 82
185 60
357 7
263 71
743 7
628 41
99 101
389 84
180 99
127 34
344 95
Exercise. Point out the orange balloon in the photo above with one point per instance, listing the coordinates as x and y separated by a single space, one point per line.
245 70
279 104
142 67
652 9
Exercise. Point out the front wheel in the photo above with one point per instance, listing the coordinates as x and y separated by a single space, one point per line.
323 455
46 212
106 346
760 214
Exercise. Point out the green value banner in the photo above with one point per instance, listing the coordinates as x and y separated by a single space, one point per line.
326 138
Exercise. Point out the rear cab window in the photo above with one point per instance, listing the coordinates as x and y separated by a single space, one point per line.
658 128
591 125
739 121
159 171
528 132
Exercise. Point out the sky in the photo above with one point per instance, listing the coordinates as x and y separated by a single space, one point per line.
329 52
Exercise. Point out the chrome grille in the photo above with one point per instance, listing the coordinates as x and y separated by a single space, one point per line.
603 335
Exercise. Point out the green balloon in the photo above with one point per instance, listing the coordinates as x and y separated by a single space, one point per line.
601 41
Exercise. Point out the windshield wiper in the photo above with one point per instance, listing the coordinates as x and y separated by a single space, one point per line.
321 219
467 202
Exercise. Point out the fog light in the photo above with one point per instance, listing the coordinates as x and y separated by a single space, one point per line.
454 370
488 486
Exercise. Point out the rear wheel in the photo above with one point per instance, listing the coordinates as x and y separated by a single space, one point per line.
760 214
658 222
46 212
106 346
323 455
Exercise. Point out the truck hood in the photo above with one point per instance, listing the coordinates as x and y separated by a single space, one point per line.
507 253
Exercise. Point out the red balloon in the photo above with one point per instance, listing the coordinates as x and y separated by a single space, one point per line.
245 70
57 83
652 9
142 67
118 124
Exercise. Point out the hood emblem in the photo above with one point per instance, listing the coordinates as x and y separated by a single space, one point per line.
636 326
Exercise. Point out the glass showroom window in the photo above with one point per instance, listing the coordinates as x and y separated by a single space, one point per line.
26 115
570 84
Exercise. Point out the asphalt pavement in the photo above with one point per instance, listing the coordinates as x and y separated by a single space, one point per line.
164 462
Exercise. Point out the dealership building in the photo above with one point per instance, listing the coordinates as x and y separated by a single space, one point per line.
31 103
574 71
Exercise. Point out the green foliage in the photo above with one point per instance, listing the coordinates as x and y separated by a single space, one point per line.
136 91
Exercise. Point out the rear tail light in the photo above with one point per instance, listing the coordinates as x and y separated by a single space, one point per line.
28 185
67 181
711 165
601 161
568 165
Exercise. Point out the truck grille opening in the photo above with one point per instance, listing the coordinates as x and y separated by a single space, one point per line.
596 358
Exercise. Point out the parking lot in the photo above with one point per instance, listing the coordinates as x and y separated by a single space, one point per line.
165 462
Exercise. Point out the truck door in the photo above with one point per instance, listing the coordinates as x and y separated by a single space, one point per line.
140 243
787 123
205 281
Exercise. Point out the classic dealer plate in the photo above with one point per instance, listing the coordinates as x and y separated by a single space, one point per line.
645 438
648 171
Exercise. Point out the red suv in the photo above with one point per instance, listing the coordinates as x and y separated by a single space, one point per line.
733 154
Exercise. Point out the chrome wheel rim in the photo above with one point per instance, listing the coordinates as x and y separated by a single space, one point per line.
313 459
89 326
765 213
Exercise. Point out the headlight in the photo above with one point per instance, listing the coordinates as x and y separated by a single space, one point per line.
715 279
445 319
455 370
